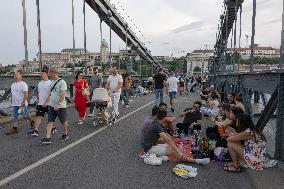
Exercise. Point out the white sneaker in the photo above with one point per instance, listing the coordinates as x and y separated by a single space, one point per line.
152 159
80 123
91 115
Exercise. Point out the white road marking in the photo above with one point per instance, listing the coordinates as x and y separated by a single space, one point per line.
51 156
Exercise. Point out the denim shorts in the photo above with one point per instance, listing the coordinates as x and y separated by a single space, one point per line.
15 112
172 94
61 113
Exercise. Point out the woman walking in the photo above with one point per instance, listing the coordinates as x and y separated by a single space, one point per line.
80 93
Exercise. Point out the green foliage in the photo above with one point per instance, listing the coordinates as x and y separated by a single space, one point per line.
7 69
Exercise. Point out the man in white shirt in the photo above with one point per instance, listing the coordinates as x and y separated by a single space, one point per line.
171 87
19 102
42 100
113 85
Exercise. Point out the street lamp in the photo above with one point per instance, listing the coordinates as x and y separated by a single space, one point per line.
109 15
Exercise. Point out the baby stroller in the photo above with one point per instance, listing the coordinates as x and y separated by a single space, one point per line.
102 102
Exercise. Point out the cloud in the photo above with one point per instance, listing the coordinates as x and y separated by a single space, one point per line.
188 27
274 21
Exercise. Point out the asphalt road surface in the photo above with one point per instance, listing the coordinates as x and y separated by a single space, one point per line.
108 158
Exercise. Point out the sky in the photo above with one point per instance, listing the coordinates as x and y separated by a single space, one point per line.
167 26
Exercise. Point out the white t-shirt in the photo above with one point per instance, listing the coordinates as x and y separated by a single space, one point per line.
173 84
17 90
43 91
113 81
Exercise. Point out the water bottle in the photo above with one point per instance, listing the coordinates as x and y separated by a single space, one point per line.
193 141
182 141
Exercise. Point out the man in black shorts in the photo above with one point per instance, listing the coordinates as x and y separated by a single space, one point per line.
41 99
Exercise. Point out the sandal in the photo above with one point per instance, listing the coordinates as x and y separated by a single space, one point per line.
228 164
232 169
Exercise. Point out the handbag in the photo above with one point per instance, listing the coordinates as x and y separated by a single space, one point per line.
85 91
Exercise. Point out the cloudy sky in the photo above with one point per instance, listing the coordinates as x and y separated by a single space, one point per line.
167 26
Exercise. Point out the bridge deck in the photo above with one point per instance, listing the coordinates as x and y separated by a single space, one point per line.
109 159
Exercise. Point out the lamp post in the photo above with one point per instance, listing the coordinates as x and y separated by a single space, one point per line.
25 36
73 34
252 36
109 15
282 42
39 35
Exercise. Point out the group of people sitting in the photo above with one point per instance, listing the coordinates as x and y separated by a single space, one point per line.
246 144
156 135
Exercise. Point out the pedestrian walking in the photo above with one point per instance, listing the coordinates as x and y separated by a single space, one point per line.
126 87
80 86
96 81
172 87
19 101
57 106
114 84
159 84
41 100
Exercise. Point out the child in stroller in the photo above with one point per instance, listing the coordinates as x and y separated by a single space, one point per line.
102 102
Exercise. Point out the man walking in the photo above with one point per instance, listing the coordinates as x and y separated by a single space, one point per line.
172 87
159 83
96 81
114 84
57 106
42 100
19 102
127 82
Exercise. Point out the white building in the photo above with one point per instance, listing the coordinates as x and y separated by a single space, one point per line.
104 52
197 62
261 52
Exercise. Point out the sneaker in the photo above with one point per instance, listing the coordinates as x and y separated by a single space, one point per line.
91 115
152 159
33 133
45 141
172 109
80 122
113 120
64 137
14 130
53 130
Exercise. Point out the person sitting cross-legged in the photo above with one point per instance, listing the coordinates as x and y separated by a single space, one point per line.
155 141
191 116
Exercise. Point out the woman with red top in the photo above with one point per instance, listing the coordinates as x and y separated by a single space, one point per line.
80 100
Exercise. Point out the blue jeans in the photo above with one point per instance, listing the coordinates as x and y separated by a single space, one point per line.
15 112
125 96
159 94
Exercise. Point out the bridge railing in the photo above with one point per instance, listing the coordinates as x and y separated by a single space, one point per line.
255 86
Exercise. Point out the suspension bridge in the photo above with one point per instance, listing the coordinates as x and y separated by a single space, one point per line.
108 157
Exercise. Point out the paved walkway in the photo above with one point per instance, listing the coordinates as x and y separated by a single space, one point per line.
108 158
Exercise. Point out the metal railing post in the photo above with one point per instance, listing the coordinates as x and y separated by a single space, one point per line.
279 142
252 36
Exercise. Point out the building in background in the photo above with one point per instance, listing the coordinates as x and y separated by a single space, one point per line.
261 52
197 62
104 51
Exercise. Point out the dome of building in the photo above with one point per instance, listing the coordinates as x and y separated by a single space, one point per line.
104 43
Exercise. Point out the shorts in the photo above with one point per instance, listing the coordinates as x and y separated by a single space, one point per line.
15 112
159 149
40 110
172 94
61 113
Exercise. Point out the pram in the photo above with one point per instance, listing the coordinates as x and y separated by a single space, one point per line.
102 102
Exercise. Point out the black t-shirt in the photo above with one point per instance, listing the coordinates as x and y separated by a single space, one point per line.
150 134
159 80
191 117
